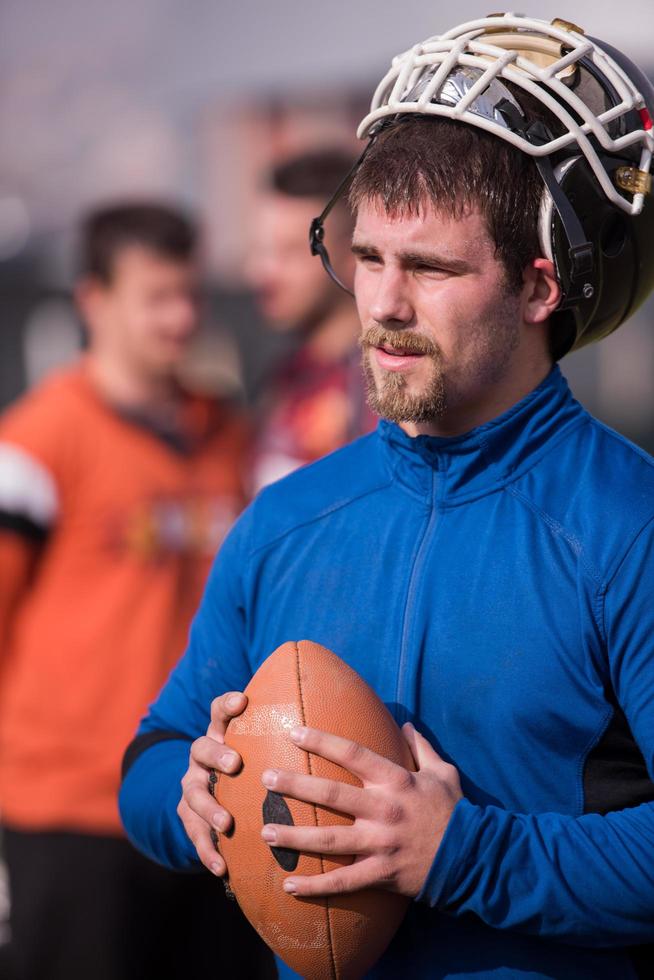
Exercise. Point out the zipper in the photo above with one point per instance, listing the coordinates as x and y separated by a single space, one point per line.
403 679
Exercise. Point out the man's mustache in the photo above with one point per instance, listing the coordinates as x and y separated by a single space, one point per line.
404 341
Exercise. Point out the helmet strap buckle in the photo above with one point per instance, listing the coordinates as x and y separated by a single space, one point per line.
317 229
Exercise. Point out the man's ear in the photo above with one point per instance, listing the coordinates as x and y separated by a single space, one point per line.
89 294
541 291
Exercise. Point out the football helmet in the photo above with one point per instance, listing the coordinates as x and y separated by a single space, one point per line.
596 217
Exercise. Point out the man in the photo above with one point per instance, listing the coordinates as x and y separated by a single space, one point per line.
485 559
315 402
116 487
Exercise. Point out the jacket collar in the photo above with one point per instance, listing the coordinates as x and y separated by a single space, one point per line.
478 462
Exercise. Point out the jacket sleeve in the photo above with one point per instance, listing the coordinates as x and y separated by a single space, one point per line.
215 661
587 880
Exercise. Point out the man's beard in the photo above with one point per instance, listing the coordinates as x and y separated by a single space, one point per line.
388 396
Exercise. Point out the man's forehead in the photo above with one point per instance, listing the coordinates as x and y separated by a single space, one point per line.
292 208
282 218
426 227
136 259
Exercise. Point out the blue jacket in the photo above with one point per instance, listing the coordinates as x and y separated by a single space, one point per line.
496 589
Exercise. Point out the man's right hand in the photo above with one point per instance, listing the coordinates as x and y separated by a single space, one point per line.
201 815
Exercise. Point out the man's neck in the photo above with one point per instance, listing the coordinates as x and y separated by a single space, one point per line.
335 336
128 387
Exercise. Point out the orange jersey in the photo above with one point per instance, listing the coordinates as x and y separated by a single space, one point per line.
129 524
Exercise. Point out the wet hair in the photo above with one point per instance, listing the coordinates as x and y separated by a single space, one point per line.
161 229
455 167
316 173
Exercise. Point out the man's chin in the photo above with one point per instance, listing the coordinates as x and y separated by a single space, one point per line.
397 400
165 365
403 397
279 324
396 408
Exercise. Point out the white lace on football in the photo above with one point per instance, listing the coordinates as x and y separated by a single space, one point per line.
534 55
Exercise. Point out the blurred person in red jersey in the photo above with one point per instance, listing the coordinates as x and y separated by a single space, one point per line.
116 488
316 401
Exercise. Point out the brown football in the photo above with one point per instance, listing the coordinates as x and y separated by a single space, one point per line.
303 683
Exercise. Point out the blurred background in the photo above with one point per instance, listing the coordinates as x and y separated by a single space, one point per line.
191 101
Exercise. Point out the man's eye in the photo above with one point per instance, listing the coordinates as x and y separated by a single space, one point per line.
434 270
369 259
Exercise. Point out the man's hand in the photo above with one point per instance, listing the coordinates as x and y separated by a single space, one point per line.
197 809
399 816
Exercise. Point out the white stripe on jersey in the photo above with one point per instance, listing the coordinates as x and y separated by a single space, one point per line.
27 488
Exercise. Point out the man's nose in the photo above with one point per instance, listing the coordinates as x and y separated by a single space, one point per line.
391 304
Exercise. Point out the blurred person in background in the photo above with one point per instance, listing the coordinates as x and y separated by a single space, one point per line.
316 401
116 489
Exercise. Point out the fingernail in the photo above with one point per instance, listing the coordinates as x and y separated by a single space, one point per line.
297 734
269 778
269 834
234 701
290 887
215 868
228 759
219 821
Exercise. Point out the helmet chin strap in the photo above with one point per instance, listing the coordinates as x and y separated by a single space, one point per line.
316 243
580 251
317 229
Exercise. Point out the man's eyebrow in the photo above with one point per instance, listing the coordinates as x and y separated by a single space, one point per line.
443 261
361 249
414 258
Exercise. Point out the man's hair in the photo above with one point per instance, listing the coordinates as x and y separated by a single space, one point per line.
159 228
315 173
422 160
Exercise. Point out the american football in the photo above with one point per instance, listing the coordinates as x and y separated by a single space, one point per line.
303 683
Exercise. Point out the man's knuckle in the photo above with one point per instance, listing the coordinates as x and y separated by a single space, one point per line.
206 853
328 841
387 843
354 752
406 780
393 813
338 884
218 712
199 802
448 773
332 794
197 752
191 790
387 871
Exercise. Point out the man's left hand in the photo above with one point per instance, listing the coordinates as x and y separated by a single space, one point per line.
399 816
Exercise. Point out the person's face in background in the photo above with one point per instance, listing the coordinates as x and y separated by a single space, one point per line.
292 290
147 313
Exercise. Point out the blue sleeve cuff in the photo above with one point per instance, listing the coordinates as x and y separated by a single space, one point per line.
452 854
